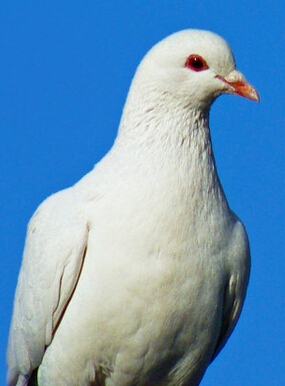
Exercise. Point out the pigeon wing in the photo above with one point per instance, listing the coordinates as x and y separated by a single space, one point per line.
53 258
235 291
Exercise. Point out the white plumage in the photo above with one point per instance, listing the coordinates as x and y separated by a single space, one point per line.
136 275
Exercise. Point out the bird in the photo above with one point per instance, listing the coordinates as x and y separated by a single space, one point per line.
137 274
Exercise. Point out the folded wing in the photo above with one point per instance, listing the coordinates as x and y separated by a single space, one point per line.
53 257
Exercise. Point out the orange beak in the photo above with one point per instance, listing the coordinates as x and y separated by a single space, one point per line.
238 85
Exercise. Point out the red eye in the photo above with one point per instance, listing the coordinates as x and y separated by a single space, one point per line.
196 63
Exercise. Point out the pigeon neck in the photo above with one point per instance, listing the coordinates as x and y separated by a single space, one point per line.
175 143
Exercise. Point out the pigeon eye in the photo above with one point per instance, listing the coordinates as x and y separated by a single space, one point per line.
196 63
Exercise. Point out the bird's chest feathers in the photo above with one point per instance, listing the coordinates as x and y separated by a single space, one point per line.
173 205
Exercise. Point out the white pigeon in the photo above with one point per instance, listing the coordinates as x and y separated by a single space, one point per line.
136 275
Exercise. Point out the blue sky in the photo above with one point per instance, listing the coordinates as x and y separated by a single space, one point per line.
65 70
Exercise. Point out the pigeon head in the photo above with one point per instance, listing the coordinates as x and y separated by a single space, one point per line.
194 67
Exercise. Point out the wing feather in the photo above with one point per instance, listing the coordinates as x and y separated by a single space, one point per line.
235 290
52 261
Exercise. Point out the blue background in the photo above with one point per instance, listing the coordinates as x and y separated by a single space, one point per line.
65 70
